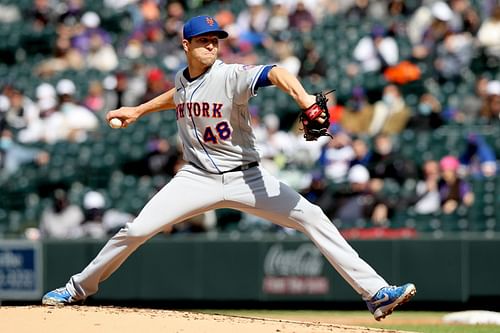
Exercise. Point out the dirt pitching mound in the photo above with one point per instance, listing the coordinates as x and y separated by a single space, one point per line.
88 319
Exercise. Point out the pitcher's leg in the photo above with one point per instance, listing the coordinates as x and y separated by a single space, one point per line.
111 256
185 196
270 199
359 274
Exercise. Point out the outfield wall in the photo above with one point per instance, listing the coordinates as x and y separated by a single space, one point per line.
276 269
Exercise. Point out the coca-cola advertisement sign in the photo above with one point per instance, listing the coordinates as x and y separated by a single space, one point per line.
294 271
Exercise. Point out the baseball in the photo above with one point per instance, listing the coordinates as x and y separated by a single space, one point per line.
115 123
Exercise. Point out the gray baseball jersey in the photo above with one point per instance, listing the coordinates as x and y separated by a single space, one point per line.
213 119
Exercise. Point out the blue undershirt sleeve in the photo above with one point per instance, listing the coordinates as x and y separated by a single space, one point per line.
263 80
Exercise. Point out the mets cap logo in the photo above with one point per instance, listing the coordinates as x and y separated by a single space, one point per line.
210 21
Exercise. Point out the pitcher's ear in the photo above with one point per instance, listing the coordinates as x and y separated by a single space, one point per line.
185 43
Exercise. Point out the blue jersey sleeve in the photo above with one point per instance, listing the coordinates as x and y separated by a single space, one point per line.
263 80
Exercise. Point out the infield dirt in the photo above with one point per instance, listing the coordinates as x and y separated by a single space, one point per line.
90 319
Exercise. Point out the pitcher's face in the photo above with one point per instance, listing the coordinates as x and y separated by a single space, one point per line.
202 49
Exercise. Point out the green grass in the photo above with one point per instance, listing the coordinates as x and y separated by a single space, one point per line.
413 321
444 328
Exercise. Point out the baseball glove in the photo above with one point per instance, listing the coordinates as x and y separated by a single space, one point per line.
316 118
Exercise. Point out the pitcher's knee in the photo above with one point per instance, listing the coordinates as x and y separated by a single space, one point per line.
137 230
313 215
314 212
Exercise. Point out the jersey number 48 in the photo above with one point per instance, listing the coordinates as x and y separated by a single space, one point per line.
222 132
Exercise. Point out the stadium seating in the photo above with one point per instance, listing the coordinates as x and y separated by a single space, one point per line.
95 164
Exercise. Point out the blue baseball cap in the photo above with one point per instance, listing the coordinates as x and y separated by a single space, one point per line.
200 25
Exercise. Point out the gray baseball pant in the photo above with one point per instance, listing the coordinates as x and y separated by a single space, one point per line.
255 191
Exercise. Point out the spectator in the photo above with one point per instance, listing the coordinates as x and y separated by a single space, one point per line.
85 37
358 11
95 99
71 12
469 110
453 191
225 18
78 119
156 84
278 20
161 158
234 50
312 64
490 112
428 115
418 23
336 156
472 20
65 57
152 42
101 55
100 220
358 113
454 54
357 201
252 22
302 154
277 148
318 188
46 102
362 154
478 158
301 19
22 111
149 14
489 34
465 18
376 52
434 33
45 91
93 210
386 163
397 8
14 155
285 57
390 115
136 82
427 199
122 90
175 19
62 219
42 14
133 48
276 145
52 127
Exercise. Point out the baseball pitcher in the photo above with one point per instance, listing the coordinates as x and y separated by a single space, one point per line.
210 100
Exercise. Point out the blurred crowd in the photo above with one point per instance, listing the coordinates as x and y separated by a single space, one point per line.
347 176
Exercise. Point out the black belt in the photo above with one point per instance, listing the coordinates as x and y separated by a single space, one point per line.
238 168
243 167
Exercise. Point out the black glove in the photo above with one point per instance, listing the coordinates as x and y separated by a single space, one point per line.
316 118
